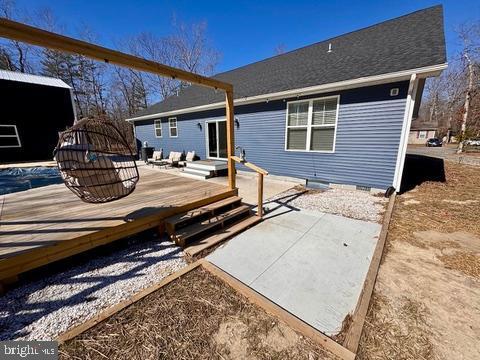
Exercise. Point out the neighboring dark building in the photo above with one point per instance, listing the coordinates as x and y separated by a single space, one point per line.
34 109
338 111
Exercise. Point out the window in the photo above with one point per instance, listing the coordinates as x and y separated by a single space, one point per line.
158 128
9 137
422 134
172 123
311 124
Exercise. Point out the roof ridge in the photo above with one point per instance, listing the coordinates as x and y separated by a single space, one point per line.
331 38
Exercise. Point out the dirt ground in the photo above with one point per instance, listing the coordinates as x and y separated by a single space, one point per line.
195 317
426 303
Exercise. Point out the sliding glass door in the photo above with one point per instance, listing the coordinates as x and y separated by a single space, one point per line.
217 139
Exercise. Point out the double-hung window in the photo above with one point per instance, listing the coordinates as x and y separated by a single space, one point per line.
172 123
158 128
9 137
311 124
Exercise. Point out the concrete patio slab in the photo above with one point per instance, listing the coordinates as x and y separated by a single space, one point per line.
268 242
310 263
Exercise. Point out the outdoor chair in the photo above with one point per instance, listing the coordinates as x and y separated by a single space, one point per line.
189 158
173 159
156 159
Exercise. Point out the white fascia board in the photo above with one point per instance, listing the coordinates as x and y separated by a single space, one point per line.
407 122
424 72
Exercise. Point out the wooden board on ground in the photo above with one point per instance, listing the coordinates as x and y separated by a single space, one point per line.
354 332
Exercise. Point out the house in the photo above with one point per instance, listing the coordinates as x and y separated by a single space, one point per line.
337 111
34 110
420 132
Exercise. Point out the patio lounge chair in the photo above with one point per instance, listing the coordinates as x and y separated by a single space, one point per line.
173 159
156 158
189 158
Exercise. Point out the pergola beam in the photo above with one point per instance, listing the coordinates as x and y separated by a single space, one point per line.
20 32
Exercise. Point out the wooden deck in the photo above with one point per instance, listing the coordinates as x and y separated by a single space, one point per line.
46 224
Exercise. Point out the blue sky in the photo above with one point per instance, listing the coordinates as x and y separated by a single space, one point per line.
246 31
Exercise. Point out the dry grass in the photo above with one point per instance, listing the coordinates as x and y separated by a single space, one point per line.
401 327
196 317
429 211
386 338
465 262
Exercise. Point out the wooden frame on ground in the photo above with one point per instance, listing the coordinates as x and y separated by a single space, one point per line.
354 332
238 286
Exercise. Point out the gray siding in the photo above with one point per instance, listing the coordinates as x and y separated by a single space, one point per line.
368 135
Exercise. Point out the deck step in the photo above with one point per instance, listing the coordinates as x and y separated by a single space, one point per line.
204 173
192 176
222 235
175 221
182 235
207 165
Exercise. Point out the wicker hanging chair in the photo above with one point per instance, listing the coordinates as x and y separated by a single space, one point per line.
96 159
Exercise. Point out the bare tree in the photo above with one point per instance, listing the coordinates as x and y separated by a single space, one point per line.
98 88
470 37
187 48
452 100
15 55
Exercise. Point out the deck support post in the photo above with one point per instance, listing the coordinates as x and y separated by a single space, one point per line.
230 138
260 195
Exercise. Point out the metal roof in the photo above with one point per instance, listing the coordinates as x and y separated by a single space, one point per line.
32 79
408 42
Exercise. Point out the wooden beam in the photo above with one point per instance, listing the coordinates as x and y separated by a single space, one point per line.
230 139
260 195
29 34
272 308
254 167
354 333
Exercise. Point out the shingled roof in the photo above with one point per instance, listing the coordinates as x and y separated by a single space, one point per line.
408 42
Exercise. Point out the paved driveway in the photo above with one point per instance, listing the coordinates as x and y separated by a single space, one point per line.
445 152
310 263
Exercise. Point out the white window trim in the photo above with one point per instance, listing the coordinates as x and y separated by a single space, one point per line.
170 127
9 136
155 128
309 125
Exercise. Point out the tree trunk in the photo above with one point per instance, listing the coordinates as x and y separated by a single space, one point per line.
466 106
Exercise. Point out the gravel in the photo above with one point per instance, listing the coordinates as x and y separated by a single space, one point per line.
354 204
44 308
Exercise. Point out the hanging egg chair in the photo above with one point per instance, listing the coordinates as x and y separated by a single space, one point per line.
96 158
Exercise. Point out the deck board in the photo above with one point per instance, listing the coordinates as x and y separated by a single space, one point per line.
40 225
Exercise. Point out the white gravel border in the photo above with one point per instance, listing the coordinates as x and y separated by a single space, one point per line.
43 309
355 204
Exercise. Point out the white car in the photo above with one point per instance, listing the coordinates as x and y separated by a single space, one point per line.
473 142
